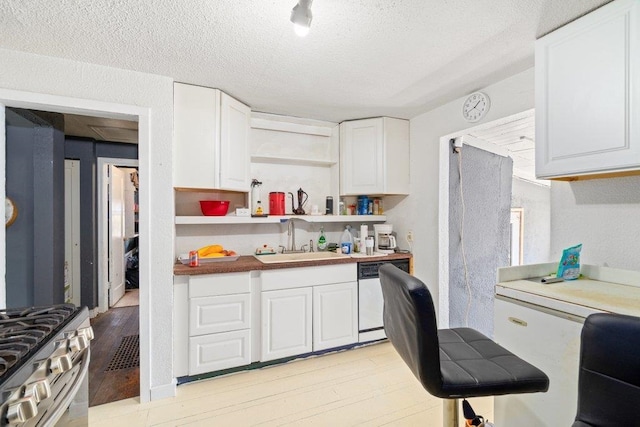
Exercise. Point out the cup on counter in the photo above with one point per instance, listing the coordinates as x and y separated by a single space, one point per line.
346 247
368 244
314 210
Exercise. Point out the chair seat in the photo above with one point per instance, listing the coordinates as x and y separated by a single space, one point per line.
473 365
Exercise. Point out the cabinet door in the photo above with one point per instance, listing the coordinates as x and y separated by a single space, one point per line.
234 144
213 352
219 314
286 323
196 116
587 94
361 157
335 315
551 342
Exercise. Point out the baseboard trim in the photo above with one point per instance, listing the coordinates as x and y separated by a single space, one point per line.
164 391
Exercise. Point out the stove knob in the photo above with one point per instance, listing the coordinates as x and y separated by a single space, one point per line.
87 332
40 390
22 410
78 343
60 364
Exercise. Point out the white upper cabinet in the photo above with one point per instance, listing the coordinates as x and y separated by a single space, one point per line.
588 94
374 156
235 158
211 139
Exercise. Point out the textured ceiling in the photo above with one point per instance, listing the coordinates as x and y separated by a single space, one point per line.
362 58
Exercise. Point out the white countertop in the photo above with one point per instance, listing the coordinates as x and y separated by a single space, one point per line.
602 290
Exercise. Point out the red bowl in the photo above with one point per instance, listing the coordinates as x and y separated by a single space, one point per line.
214 207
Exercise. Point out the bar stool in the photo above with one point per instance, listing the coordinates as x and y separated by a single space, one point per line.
449 363
609 378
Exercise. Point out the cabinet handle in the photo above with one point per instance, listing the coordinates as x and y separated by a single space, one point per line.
517 321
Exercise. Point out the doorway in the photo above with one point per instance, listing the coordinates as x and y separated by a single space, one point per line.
513 137
117 226
115 373
115 93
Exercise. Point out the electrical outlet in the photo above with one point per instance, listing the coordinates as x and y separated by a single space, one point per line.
410 236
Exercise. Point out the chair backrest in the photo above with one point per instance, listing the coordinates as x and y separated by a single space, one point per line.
609 378
410 324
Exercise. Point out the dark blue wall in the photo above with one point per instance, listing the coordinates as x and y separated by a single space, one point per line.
35 181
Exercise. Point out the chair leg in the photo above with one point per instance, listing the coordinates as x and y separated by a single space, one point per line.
450 413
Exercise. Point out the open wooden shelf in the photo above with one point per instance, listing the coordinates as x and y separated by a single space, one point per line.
232 219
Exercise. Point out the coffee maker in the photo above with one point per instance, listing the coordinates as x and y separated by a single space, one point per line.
385 242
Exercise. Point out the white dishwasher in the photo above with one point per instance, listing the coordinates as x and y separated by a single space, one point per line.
370 301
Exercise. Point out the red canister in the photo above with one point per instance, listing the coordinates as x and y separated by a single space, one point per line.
276 203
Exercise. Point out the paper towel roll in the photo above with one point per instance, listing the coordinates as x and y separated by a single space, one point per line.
364 232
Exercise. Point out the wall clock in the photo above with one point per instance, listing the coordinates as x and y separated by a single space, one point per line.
10 212
475 107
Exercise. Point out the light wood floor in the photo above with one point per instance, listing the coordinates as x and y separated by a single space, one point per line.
369 386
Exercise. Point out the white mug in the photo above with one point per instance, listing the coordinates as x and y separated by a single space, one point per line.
314 209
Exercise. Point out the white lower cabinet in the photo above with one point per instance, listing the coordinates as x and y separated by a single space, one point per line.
308 309
335 315
212 328
286 323
301 310
549 340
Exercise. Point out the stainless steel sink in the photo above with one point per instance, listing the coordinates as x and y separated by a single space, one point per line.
306 256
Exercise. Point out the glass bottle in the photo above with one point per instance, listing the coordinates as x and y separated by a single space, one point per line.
322 240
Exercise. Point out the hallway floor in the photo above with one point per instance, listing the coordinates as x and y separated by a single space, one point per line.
113 374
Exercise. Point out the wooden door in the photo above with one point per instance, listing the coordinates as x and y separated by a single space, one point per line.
117 179
72 231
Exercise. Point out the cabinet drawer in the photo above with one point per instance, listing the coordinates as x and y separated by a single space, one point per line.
219 314
214 352
209 285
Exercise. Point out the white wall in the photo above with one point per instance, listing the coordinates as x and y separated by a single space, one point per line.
102 89
420 211
603 215
535 200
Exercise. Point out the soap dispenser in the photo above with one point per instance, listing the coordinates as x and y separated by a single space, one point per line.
322 240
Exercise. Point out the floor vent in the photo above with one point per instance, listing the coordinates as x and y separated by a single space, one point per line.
127 355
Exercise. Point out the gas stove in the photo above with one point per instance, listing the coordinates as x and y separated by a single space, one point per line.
44 357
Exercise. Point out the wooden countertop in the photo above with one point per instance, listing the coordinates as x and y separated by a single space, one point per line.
249 263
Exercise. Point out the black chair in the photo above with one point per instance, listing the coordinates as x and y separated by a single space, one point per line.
449 363
609 377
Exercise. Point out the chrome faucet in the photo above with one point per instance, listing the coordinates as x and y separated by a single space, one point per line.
291 240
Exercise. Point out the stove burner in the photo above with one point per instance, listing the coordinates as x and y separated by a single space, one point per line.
22 330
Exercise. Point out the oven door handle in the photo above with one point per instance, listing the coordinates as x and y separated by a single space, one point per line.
65 402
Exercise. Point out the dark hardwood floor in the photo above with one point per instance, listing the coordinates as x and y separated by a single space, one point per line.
109 329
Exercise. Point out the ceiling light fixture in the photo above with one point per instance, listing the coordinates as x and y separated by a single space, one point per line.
301 17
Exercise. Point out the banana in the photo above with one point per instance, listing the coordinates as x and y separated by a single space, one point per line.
205 251
214 255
